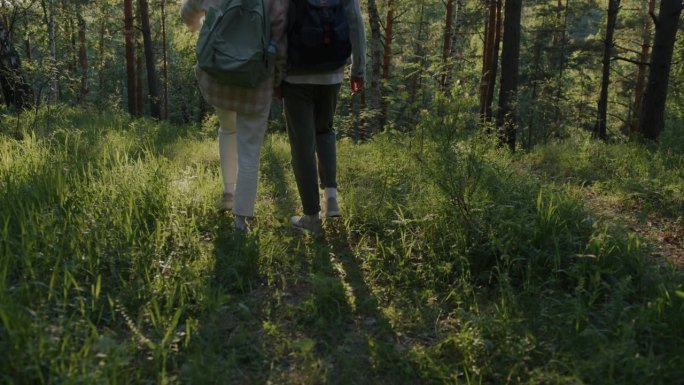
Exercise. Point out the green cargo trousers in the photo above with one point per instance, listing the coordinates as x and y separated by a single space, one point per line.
309 112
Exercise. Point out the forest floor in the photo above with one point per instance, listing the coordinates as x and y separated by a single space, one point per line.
663 234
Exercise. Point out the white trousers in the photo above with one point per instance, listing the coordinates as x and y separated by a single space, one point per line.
240 138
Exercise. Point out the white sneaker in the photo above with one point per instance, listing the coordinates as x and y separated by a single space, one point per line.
308 223
330 208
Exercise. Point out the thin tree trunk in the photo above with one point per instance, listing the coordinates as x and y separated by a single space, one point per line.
152 88
165 60
376 66
510 58
414 83
451 55
446 45
82 55
561 64
48 14
600 126
101 48
386 60
652 119
129 34
533 112
387 52
27 46
139 82
642 69
488 59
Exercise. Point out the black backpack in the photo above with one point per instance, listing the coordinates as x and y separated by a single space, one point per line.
318 35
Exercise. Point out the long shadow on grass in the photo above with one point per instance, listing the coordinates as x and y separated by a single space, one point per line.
352 340
226 345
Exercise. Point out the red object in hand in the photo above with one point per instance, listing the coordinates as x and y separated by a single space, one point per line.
356 85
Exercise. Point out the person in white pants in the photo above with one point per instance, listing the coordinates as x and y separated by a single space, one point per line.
242 112
240 139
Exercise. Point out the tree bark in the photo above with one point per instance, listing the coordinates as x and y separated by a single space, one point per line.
642 69
101 49
495 60
386 61
16 91
129 35
508 89
387 51
152 88
82 55
446 45
600 126
487 61
652 119
376 67
561 62
414 79
449 52
48 14
27 46
487 93
139 83
165 61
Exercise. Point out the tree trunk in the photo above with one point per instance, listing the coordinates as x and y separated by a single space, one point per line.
165 60
15 91
387 52
129 34
376 66
386 61
508 89
27 46
600 126
488 114
451 54
153 90
82 55
139 83
446 45
561 63
101 49
495 59
641 71
652 119
414 79
49 18
488 54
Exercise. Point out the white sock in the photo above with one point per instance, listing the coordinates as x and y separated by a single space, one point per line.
330 192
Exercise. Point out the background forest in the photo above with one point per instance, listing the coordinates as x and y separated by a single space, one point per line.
559 73
511 180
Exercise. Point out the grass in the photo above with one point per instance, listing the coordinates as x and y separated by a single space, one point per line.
455 262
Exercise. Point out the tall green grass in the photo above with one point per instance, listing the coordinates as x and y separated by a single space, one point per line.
455 262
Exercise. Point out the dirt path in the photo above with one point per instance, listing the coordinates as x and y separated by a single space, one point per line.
663 234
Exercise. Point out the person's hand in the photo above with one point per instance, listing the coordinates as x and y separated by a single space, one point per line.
356 84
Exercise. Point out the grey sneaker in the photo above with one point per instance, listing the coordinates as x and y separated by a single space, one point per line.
226 202
308 223
242 223
331 208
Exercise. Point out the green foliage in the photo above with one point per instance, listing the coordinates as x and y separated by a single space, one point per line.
455 261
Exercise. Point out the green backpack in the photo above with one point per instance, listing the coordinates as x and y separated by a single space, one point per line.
234 43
